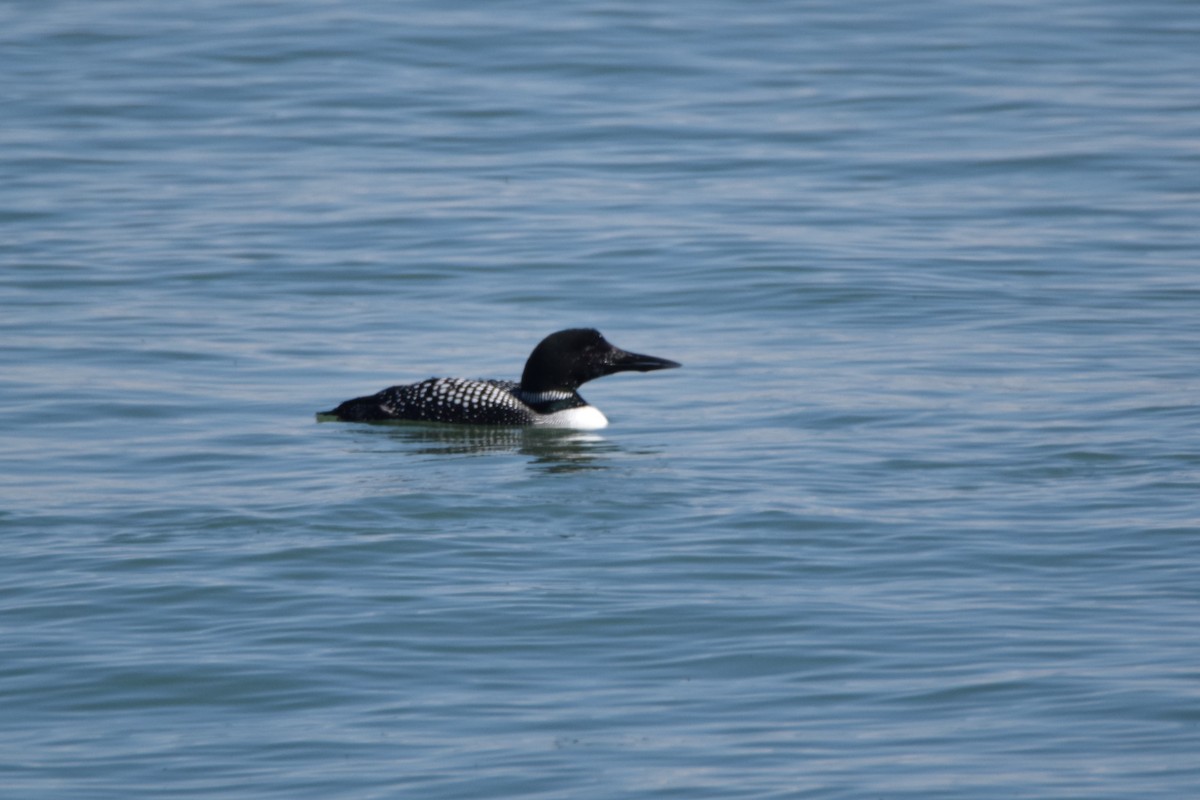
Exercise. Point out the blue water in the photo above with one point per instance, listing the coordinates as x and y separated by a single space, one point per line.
919 517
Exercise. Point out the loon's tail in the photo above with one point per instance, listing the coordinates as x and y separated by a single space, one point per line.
360 409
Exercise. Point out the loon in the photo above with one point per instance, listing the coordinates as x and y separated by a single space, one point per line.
545 395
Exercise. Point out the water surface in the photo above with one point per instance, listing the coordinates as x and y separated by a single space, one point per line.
918 517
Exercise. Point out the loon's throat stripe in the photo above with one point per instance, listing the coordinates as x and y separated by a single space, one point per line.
554 395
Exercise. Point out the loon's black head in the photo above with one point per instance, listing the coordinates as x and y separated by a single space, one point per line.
568 359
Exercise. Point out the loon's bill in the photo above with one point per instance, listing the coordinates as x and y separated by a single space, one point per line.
545 396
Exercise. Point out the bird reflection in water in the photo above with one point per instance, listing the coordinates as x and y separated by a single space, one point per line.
551 449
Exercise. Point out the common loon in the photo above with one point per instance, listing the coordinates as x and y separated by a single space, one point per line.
545 396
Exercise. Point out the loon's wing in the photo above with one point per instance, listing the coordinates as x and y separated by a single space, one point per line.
468 402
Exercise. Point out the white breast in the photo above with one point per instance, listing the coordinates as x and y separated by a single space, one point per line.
584 418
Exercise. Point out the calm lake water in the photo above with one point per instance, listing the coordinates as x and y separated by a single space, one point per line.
919 517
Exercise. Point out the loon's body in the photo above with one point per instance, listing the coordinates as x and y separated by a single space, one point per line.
545 396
